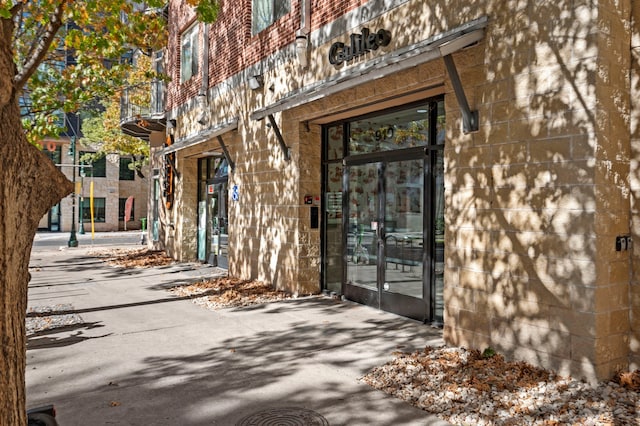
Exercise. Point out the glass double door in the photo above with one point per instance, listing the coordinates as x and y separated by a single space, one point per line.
393 260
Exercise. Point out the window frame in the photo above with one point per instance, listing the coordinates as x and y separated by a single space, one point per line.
276 9
90 171
86 210
189 52
124 172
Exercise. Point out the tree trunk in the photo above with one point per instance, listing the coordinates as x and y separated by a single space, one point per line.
30 184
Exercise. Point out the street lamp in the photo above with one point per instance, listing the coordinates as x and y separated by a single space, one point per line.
73 242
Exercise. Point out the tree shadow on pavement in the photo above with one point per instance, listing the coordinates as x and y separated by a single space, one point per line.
62 336
295 362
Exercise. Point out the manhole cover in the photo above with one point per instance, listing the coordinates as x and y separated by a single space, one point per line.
289 416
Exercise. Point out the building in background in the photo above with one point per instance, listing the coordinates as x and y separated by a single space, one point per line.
113 183
471 165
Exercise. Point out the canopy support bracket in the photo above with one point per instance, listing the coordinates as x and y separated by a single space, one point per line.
225 151
283 146
470 119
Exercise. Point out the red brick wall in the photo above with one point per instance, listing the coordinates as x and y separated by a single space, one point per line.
231 45
325 11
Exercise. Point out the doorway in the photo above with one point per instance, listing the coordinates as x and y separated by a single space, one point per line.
383 228
213 236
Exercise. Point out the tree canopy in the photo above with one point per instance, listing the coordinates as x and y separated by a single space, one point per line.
56 56
69 54
101 127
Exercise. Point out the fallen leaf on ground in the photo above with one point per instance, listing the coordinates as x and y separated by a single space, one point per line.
230 292
463 387
134 258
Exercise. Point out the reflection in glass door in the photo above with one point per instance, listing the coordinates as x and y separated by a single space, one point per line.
383 228
212 211
404 237
362 237
54 218
217 211
385 236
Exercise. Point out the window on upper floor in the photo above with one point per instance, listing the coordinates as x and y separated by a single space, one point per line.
99 165
189 53
126 173
266 12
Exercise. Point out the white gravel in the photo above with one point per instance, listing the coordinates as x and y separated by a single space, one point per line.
463 388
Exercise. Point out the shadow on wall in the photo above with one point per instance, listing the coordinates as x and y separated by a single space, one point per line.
530 193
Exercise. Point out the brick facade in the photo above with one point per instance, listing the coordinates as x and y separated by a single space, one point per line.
534 199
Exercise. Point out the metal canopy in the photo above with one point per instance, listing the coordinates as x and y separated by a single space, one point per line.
203 136
441 45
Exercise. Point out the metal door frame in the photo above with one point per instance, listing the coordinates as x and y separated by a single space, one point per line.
397 303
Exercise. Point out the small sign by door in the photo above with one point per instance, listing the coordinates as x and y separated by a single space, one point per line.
210 189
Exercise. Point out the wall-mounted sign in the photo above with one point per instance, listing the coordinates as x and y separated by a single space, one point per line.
210 189
235 192
169 164
360 44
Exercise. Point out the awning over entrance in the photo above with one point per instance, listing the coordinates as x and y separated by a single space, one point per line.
441 45
203 136
212 132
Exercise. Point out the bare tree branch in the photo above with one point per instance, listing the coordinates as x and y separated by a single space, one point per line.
42 47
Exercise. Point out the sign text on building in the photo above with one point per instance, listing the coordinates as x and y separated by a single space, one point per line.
360 44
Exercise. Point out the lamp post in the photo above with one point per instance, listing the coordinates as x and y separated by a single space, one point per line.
73 242
82 175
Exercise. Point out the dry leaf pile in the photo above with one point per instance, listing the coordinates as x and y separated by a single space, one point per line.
464 388
229 292
135 258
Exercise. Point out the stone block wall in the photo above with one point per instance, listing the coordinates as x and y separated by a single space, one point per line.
537 196
534 199
634 182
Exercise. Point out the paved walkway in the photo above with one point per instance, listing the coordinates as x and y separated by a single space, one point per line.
133 354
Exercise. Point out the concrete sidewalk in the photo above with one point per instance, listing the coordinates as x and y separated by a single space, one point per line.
133 354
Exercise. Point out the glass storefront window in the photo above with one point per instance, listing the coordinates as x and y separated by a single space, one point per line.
440 120
334 142
333 228
383 241
397 130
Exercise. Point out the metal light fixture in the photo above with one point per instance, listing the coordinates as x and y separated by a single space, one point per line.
302 47
171 126
203 117
256 82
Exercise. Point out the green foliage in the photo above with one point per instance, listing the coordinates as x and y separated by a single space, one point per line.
69 53
489 352
102 130
207 10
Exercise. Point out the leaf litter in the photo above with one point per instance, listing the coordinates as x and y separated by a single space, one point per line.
464 387
134 258
223 292
227 292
